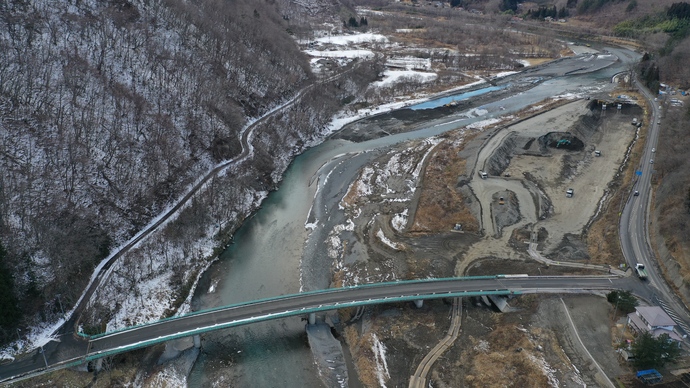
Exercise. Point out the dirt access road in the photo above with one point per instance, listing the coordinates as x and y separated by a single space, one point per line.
534 195
522 160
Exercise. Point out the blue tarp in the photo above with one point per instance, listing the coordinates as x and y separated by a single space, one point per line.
649 376
647 372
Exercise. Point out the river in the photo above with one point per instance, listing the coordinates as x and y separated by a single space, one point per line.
275 254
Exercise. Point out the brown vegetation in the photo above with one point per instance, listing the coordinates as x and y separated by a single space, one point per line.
672 195
360 347
507 361
441 205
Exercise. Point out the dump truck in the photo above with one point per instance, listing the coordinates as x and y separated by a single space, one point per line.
640 271
569 193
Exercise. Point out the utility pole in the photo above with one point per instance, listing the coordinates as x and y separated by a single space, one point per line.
43 353
615 310
60 303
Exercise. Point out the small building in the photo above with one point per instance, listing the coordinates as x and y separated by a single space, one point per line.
654 320
626 355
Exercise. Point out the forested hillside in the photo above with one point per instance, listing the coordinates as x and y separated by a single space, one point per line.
109 111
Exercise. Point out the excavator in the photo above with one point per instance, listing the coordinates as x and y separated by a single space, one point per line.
562 142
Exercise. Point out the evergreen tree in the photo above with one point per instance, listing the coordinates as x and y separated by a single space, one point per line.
553 12
563 13
352 22
508 5
624 301
653 352
679 10
8 301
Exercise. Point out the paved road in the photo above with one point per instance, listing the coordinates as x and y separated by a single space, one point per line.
418 379
633 231
70 351
66 347
102 272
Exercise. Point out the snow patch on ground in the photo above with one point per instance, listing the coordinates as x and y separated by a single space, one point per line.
343 40
341 54
363 185
505 74
380 356
168 377
475 112
484 123
410 63
549 372
386 241
399 221
391 77
577 377
38 336
333 242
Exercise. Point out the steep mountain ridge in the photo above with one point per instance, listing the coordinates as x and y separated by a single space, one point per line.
109 111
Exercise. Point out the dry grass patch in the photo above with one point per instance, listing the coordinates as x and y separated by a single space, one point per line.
508 361
352 195
417 267
679 251
441 205
362 355
115 376
539 61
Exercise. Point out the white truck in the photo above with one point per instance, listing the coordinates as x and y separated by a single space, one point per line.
640 271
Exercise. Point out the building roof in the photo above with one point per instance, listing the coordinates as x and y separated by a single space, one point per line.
655 316
640 326
656 333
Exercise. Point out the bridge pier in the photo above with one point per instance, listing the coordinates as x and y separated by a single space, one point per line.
197 341
419 303
312 318
98 365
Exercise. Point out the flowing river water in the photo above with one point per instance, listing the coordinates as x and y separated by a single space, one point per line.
272 254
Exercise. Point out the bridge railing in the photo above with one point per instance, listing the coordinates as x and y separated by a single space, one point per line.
289 296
